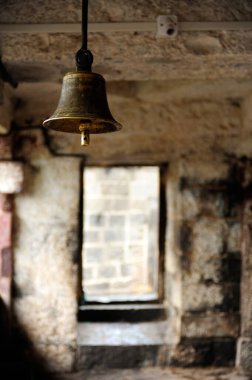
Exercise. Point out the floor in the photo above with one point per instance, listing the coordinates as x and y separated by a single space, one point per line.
160 374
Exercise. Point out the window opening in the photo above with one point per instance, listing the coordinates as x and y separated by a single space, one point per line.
121 234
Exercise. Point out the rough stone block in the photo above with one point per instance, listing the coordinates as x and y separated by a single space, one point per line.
93 254
204 172
190 204
205 352
202 270
202 199
63 360
114 235
210 324
244 354
139 218
117 220
129 269
114 253
107 271
113 189
209 236
246 291
234 238
11 177
97 220
205 45
100 357
100 205
213 202
137 232
136 250
91 236
200 297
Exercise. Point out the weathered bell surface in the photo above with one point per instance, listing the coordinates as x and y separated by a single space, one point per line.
83 107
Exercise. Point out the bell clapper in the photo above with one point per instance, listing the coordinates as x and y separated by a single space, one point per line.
85 134
85 138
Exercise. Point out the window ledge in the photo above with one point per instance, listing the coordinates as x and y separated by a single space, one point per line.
122 313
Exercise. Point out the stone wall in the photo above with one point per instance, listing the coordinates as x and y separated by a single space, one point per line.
5 227
207 229
244 354
11 179
202 255
46 250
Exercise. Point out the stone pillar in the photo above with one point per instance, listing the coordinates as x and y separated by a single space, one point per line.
11 178
244 349
5 247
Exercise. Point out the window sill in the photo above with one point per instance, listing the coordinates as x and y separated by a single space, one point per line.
122 313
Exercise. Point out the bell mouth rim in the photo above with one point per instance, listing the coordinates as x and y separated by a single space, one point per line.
96 125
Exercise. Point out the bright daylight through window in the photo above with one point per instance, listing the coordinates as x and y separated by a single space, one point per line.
121 234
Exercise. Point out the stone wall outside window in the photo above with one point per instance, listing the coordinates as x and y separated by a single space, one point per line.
120 245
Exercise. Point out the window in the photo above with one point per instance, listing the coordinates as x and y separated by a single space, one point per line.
121 234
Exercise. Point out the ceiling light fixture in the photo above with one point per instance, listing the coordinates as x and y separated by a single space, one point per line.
83 106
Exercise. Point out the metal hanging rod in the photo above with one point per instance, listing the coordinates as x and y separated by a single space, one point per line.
109 27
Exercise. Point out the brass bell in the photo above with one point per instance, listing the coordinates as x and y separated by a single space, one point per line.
83 107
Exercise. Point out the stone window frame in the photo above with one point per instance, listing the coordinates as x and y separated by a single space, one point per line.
131 311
